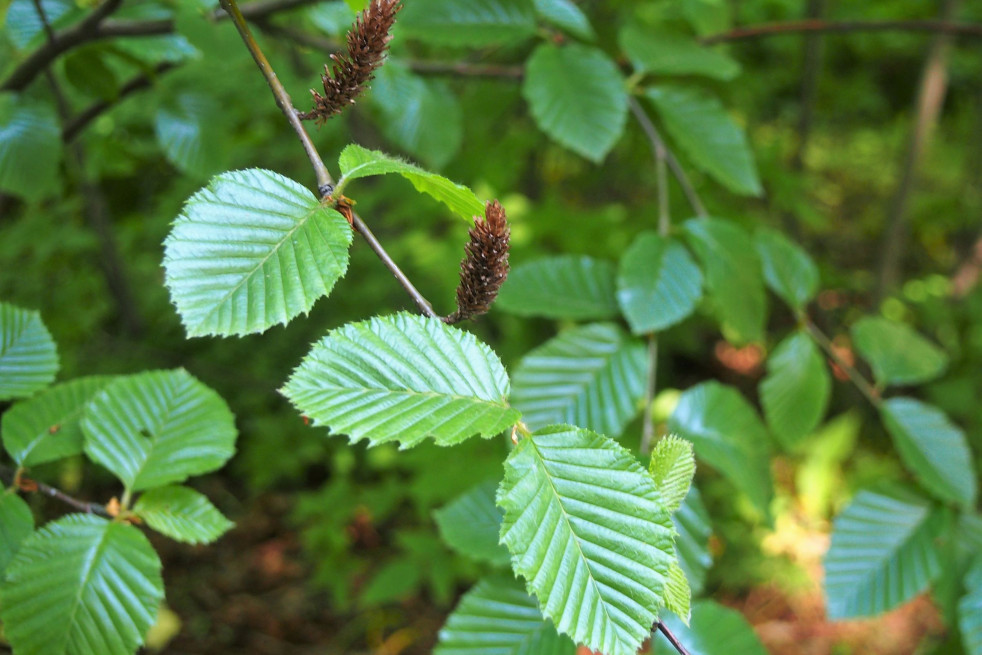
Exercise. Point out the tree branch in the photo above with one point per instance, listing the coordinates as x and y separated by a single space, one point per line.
751 32
826 344
672 639
10 476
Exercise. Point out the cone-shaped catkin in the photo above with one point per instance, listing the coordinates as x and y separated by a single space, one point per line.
367 43
485 265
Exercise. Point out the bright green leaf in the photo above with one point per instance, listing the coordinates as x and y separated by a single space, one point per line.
471 525
403 378
692 541
30 147
357 162
577 97
733 276
933 448
28 357
664 53
189 130
498 617
81 585
728 435
470 23
252 250
566 286
672 467
16 525
587 530
565 15
712 630
46 427
182 514
592 376
705 132
658 283
788 270
158 427
678 595
897 354
883 553
795 392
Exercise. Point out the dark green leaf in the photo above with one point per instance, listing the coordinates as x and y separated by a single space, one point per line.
30 147
712 630
189 130
795 392
16 525
28 358
970 612
470 23
471 525
182 514
566 16
664 53
788 270
88 72
658 283
566 286
897 354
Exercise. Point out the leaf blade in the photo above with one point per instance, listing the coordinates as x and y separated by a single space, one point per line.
470 525
28 356
795 392
566 286
897 354
788 270
658 283
182 514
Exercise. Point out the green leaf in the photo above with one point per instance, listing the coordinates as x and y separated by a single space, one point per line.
587 530
357 162
403 378
577 97
421 116
897 354
154 50
30 147
788 270
795 392
712 630
728 435
658 283
46 427
23 24
189 131
498 617
970 612
678 595
705 132
81 585
471 525
592 376
664 53
566 286
182 514
87 70
933 448
28 358
470 23
672 467
692 541
733 276
883 553
252 250
334 18
16 525
566 16
158 427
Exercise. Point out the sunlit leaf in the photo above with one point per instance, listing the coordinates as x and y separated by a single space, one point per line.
182 514
565 286
658 283
665 53
897 354
471 525
795 392
673 464
712 630
28 358
678 595
588 532
788 270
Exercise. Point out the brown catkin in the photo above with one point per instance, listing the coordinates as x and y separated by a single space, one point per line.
367 42
485 265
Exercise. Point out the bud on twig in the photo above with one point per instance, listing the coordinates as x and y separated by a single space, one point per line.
367 42
485 264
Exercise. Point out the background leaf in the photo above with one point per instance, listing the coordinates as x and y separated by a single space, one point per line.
592 376
933 448
16 525
658 283
46 427
692 541
704 131
30 147
970 612
664 53
252 250
883 553
788 270
158 427
729 436
712 630
81 584
565 15
471 23
357 162
577 97
471 525
403 378
28 357
498 617
897 354
182 514
189 130
795 392
566 286
733 276
587 530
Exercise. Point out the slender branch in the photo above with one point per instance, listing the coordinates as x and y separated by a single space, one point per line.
857 378
970 30
424 306
9 476
672 639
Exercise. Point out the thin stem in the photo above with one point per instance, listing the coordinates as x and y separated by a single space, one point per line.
672 639
857 378
971 30
11 476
